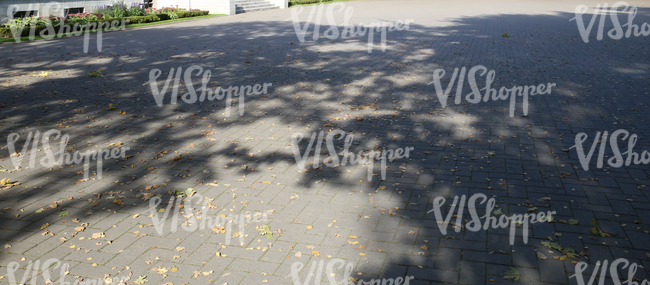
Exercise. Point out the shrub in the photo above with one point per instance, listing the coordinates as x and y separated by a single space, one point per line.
33 21
136 10
300 2
152 11
120 9
172 9
143 19
83 18
185 14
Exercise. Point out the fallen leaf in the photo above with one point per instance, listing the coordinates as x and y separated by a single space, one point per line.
512 274
141 280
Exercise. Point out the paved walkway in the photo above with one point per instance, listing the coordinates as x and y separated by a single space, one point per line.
245 165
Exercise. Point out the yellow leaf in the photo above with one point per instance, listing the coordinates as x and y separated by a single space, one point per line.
362 254
44 226
309 227
73 246
315 253
174 269
353 237
353 242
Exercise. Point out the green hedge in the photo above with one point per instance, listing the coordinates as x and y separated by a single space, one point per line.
27 31
192 14
301 2
5 32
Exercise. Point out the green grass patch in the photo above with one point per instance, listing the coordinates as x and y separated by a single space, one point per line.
37 37
291 4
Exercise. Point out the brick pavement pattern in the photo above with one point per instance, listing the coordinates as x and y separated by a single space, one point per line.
245 165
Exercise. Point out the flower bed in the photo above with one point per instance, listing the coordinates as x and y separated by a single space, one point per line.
302 2
36 25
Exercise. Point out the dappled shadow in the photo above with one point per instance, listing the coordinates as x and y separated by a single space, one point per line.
382 98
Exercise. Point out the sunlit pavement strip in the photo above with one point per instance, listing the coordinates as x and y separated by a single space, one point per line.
245 165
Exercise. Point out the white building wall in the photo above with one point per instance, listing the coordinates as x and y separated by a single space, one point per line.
214 6
8 7
282 4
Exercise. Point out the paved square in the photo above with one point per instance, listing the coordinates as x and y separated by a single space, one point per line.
242 168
